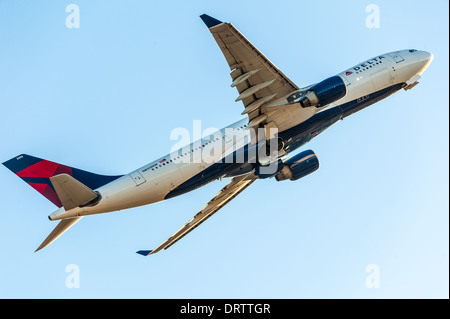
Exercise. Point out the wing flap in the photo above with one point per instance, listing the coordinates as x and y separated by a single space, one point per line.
262 87
243 56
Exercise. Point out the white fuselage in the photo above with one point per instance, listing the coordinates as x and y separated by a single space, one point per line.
152 182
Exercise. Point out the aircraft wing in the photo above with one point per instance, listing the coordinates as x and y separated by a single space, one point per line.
230 191
269 97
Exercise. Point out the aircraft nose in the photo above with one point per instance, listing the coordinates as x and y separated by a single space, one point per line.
426 58
421 61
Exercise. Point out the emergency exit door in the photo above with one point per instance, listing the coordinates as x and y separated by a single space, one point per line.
137 177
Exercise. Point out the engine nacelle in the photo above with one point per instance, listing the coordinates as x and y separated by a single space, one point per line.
298 166
325 92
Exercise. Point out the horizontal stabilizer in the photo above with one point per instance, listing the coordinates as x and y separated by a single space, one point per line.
71 192
63 225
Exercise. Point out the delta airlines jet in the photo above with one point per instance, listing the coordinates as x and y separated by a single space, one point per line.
281 118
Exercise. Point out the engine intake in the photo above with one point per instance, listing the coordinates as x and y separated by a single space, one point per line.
325 92
298 166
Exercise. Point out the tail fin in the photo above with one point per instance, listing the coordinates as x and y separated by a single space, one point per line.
36 172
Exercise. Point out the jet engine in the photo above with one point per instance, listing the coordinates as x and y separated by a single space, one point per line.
325 92
298 166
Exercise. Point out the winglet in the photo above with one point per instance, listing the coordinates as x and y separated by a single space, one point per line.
144 252
210 21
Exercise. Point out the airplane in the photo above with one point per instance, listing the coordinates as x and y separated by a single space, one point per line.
280 118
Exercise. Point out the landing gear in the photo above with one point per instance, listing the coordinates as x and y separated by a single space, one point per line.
280 146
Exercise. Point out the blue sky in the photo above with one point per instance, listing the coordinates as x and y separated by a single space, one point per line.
106 96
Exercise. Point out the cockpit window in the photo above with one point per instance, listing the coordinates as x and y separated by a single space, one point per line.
412 50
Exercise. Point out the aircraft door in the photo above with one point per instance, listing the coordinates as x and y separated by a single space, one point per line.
137 178
397 58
